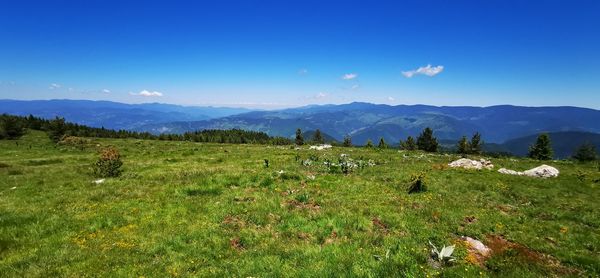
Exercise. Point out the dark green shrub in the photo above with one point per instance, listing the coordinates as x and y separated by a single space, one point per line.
11 127
585 152
109 164
57 128
409 144
418 183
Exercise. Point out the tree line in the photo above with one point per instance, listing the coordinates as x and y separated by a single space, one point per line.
13 127
426 141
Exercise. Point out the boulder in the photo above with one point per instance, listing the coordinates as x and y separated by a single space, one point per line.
471 164
543 171
509 172
320 147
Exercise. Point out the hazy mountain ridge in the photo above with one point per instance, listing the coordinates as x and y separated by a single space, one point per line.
114 115
371 121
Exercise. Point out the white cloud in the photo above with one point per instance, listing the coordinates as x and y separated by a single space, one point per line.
54 86
106 91
355 87
146 93
391 99
321 95
349 76
426 70
303 71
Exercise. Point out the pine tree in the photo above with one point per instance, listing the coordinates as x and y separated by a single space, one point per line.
382 144
409 144
542 148
369 144
10 127
585 152
347 141
475 144
426 141
299 137
56 129
318 138
463 146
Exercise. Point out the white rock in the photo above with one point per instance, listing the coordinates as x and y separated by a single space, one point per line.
99 181
477 246
471 164
320 147
543 171
509 172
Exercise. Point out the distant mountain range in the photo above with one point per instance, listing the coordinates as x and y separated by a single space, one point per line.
362 121
114 115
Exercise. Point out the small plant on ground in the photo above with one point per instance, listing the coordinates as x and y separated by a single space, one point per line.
109 164
303 198
417 183
442 256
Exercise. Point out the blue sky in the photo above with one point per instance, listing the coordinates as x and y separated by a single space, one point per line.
273 54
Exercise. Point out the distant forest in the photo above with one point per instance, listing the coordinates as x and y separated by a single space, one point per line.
14 127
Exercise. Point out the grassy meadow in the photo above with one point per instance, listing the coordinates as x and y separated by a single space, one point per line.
197 209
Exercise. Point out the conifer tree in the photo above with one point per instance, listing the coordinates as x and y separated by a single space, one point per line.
585 152
369 144
10 127
463 146
426 141
409 144
382 144
542 148
347 141
475 144
318 138
299 137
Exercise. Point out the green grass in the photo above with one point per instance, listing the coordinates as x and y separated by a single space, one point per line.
192 209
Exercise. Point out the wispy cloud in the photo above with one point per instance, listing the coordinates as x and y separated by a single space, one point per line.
426 70
321 95
302 71
146 93
54 86
391 99
355 87
349 76
106 91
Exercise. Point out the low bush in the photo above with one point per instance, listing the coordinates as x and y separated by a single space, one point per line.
109 164
418 183
74 141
